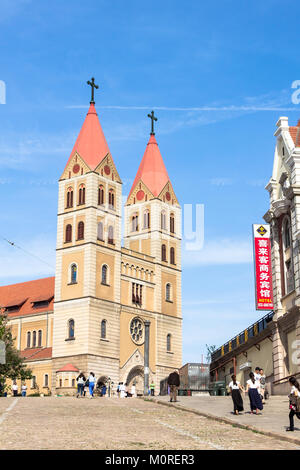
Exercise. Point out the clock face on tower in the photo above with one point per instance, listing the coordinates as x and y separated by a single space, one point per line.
136 329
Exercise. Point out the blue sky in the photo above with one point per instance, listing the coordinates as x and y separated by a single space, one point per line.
234 61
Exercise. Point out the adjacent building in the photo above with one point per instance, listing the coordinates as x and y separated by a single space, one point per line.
273 341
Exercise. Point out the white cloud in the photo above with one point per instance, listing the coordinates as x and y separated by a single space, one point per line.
222 181
16 149
219 252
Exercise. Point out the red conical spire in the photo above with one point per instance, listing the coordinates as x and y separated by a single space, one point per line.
152 171
91 144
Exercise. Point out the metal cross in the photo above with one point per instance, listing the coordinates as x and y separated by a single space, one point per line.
153 118
93 86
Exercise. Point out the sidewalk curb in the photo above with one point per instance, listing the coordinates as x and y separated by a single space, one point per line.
275 435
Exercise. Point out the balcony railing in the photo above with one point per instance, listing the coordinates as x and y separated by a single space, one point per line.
243 337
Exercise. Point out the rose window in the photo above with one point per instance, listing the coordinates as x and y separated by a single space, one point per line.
137 330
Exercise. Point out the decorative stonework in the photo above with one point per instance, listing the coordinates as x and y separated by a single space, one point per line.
136 329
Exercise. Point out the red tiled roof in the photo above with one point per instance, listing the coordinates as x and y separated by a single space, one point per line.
152 171
295 134
15 293
68 368
35 354
91 144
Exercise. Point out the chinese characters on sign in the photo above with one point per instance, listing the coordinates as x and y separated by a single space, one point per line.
263 267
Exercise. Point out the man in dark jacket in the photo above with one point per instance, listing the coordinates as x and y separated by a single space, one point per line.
173 382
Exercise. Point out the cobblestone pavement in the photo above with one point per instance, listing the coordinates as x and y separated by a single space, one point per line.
111 423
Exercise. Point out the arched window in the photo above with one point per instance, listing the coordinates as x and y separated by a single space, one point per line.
68 233
163 253
172 255
146 219
169 342
100 195
28 339
69 198
111 199
80 232
39 338
71 329
163 221
100 231
46 380
111 235
81 198
34 339
104 275
172 223
74 273
103 329
168 292
135 223
287 234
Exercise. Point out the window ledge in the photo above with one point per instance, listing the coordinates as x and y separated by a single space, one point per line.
288 294
70 339
72 283
105 340
169 301
170 352
106 285
100 240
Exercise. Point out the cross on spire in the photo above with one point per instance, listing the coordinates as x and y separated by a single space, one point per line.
153 118
93 86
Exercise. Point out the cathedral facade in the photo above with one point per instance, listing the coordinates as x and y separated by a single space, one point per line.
91 316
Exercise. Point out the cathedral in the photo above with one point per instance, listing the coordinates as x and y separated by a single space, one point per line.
91 316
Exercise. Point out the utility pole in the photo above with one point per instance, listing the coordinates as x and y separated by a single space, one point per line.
146 357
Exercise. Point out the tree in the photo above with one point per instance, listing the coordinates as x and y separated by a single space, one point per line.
14 368
210 350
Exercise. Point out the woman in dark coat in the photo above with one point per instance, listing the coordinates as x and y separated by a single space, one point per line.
235 390
255 398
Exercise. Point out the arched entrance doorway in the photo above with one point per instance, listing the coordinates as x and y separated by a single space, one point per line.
136 377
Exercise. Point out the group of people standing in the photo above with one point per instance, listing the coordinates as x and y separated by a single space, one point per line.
255 388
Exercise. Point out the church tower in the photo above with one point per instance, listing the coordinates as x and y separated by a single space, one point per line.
153 227
87 281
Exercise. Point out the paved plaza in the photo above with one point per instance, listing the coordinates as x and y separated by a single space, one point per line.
112 423
273 418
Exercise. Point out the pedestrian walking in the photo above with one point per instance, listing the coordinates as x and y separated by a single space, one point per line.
294 397
235 390
23 389
257 373
118 389
103 390
15 389
133 391
152 389
254 397
174 382
262 388
122 390
80 384
92 381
